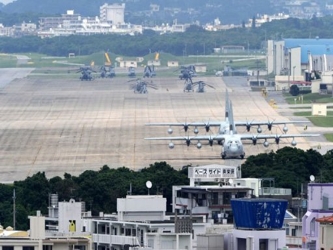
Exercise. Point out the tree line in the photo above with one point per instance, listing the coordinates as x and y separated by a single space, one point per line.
194 41
290 167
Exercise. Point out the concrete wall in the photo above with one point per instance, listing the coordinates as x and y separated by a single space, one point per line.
173 64
127 64
19 243
325 237
276 239
37 227
170 241
316 191
275 56
319 109
70 216
135 208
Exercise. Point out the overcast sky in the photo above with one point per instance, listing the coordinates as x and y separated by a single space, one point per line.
6 1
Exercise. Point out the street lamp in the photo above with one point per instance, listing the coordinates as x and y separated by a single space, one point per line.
289 68
332 85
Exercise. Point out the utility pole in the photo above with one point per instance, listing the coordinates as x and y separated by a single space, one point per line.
14 209
257 62
289 68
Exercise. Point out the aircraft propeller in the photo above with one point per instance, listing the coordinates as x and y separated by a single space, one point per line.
207 126
188 141
254 140
270 124
248 125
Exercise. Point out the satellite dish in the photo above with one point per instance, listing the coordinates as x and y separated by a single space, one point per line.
231 181
149 184
312 178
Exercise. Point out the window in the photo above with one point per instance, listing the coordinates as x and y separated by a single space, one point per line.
47 247
28 248
215 199
226 198
128 232
7 248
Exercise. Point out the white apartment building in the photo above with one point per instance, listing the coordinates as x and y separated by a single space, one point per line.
113 13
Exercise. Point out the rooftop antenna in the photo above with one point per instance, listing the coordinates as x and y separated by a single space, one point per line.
149 185
130 191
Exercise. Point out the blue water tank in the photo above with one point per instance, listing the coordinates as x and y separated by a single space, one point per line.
259 213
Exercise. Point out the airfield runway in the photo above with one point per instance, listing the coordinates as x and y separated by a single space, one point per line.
68 125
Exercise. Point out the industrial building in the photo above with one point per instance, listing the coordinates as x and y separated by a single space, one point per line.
305 62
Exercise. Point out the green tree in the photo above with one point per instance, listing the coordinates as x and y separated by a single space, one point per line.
294 90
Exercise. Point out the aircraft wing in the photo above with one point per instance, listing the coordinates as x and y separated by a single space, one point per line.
179 138
272 136
195 124
254 123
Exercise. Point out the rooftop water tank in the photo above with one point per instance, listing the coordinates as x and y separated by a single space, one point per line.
259 213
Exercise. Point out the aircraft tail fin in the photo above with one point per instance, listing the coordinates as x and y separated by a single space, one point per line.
232 127
227 104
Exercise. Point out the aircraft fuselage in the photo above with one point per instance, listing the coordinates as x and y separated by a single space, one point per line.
233 148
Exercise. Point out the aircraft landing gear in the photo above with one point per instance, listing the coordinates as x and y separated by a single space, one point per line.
242 156
223 156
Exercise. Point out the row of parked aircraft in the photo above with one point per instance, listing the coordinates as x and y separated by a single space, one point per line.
227 136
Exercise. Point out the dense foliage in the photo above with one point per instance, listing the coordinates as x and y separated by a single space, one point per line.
294 90
290 167
100 189
194 41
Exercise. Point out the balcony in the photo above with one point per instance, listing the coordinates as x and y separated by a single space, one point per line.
293 241
115 240
274 191
219 203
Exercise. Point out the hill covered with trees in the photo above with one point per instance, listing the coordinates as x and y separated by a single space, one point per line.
194 41
139 11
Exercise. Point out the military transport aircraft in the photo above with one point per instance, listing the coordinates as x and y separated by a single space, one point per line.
232 146
223 125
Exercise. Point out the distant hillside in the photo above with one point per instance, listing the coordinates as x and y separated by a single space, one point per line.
137 11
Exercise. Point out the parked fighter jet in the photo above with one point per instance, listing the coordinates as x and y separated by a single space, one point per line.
227 136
